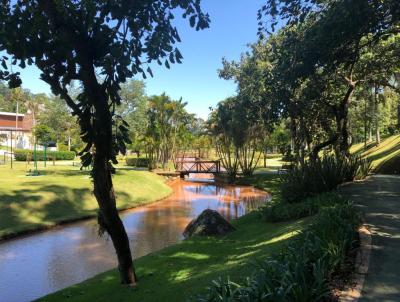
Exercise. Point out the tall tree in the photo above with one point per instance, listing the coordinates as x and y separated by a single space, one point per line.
316 51
100 44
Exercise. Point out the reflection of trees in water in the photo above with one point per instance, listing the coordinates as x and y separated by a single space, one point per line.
77 253
162 224
230 201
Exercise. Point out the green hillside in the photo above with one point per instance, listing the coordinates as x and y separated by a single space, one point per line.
385 157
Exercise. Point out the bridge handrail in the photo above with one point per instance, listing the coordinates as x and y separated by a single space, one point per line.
199 166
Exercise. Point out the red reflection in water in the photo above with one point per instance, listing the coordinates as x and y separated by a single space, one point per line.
36 265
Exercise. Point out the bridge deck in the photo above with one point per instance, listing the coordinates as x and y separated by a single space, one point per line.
198 166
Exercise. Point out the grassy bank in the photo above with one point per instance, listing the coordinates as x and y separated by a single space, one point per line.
186 269
382 156
62 193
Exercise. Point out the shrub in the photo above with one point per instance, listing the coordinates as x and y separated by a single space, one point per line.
323 175
300 273
140 162
23 155
283 211
62 147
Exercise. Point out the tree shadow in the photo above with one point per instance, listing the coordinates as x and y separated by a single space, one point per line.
379 199
182 271
27 210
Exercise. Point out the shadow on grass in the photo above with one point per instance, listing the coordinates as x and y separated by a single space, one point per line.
184 270
379 198
384 153
27 209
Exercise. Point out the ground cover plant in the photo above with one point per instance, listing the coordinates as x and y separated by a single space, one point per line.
178 272
283 211
139 162
63 193
301 272
322 175
185 269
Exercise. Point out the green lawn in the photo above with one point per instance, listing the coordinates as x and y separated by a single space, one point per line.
63 193
186 269
386 151
183 270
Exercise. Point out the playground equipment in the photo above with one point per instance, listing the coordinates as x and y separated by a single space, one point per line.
35 171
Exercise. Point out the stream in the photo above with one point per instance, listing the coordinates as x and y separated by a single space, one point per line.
38 264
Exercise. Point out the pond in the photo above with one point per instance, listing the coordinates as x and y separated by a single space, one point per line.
35 265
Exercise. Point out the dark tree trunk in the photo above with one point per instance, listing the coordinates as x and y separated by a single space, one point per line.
376 116
314 155
109 218
265 157
103 186
343 122
365 124
104 192
99 121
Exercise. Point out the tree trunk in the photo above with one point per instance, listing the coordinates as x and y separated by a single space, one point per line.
103 186
109 218
365 124
265 157
69 143
343 121
376 116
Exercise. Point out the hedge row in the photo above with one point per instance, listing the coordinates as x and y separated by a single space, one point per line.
23 155
140 162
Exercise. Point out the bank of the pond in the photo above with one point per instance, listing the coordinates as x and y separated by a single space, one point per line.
63 194
186 269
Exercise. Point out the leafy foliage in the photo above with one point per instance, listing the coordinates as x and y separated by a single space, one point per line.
301 272
99 44
24 155
44 134
322 175
140 162
282 211
167 129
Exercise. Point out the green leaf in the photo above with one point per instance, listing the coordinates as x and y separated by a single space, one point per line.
192 20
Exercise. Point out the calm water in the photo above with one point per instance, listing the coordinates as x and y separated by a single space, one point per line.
39 264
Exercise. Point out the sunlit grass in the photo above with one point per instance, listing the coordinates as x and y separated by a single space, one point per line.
64 192
186 269
386 150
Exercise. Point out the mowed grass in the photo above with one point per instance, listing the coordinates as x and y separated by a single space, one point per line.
388 149
63 192
184 270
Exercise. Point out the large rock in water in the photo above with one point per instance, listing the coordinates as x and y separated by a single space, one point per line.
209 222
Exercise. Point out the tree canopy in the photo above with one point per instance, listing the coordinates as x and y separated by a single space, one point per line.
99 44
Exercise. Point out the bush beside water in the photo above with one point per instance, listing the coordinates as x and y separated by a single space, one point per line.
283 211
24 155
301 272
139 162
322 175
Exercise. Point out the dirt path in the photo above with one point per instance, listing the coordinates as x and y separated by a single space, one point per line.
379 198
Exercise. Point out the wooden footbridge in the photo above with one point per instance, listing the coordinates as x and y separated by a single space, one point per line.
185 167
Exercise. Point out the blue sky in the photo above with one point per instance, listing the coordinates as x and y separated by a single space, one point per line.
233 26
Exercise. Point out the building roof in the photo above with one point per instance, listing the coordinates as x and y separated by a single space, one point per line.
11 114
10 121
13 129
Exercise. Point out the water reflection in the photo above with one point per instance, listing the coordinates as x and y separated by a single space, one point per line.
36 265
